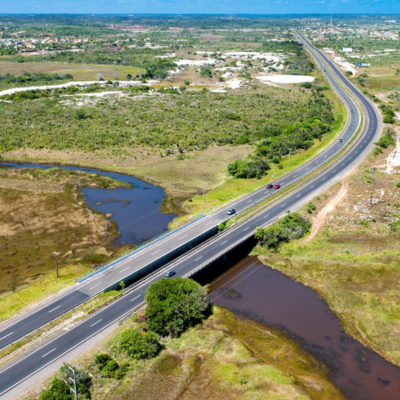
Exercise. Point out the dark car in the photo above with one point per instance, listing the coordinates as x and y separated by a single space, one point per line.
231 211
269 186
340 140
277 186
170 273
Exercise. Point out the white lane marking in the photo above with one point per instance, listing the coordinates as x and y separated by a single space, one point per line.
44 355
298 195
156 252
7 336
312 186
283 205
208 223
334 170
136 298
246 229
223 243
120 272
54 309
249 201
95 286
266 216
323 179
183 237
96 322
197 259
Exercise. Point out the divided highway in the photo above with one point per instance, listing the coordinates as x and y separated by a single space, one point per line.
184 266
170 244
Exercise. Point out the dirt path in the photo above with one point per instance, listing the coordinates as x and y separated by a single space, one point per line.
321 216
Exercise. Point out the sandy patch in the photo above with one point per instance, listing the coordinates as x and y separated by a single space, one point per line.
234 83
197 63
345 64
255 55
321 217
286 79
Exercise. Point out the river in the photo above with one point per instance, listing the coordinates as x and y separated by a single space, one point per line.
256 291
135 210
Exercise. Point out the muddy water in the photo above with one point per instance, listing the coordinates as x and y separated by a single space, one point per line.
135 210
256 291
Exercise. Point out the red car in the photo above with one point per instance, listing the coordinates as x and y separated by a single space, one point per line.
277 186
270 186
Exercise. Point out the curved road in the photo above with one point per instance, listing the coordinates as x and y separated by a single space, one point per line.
12 375
137 262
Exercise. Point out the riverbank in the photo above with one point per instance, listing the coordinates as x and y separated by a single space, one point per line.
224 357
353 259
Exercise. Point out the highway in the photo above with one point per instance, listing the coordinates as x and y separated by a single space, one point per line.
200 256
170 244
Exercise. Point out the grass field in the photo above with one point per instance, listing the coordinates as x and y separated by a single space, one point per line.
79 72
354 260
223 358
42 211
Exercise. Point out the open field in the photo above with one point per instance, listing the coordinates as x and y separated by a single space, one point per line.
42 211
222 358
84 72
353 261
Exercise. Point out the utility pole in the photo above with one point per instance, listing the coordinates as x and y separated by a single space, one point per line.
73 380
56 254
204 192
372 185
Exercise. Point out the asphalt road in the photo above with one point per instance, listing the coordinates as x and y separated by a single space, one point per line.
37 360
138 261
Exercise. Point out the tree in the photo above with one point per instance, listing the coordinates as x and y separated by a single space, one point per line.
174 305
58 390
140 345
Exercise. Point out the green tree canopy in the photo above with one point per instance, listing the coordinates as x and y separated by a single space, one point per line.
174 305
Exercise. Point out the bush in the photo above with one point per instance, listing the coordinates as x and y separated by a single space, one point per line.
140 345
385 141
58 390
174 305
292 226
249 168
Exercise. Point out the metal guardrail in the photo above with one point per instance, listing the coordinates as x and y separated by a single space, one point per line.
110 263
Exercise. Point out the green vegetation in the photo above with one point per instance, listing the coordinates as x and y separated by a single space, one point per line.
140 345
108 367
60 389
174 305
27 77
249 168
175 123
292 226
227 357
31 202
388 114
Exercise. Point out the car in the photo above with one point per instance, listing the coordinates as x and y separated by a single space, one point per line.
340 140
170 273
269 186
277 186
231 211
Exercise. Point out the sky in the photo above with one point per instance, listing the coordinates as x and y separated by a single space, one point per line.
201 6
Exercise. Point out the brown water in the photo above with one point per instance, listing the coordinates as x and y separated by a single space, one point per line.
251 289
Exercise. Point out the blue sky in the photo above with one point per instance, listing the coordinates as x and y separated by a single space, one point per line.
201 6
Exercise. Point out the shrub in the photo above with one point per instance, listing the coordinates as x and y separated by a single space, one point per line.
292 226
174 305
140 345
249 168
385 141
58 390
